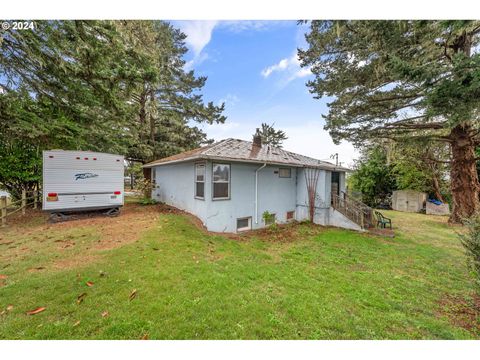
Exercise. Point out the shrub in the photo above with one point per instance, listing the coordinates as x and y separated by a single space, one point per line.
148 201
471 242
268 218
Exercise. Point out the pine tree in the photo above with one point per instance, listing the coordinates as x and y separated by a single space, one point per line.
271 136
113 86
391 79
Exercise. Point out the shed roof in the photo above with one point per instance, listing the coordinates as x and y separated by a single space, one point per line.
244 151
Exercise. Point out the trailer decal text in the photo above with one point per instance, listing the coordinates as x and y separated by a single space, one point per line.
85 176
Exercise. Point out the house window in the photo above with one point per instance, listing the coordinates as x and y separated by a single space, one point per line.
290 215
284 172
244 224
221 181
270 219
200 181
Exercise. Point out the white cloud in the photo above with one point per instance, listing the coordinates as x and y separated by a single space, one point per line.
196 61
290 66
230 100
199 34
311 139
281 65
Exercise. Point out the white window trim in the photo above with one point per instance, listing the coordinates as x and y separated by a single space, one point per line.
248 227
196 181
221 182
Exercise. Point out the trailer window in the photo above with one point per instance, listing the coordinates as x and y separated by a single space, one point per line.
221 181
200 180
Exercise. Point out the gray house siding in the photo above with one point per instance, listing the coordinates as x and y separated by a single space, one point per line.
175 186
275 195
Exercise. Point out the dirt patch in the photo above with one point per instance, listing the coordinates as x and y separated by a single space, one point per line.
284 233
388 233
108 232
117 231
114 232
36 269
462 311
75 262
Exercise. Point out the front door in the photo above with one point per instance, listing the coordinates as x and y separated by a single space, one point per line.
335 184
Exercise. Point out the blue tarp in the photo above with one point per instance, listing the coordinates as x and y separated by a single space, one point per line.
435 201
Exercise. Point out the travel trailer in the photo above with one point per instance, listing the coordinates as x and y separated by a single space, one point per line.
82 180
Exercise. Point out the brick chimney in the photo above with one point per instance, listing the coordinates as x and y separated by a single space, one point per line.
257 139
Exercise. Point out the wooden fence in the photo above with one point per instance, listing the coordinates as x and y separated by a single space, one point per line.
16 206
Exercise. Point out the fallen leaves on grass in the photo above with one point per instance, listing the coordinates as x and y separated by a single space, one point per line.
105 314
9 308
77 323
89 283
144 337
462 311
36 311
81 297
2 277
133 294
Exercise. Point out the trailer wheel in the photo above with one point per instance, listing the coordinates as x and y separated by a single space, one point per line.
113 212
57 217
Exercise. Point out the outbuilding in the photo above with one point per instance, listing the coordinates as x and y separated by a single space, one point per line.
408 200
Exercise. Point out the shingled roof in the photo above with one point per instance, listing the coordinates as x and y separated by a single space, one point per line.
245 151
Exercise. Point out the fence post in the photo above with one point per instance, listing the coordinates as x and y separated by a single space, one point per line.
35 197
3 208
24 201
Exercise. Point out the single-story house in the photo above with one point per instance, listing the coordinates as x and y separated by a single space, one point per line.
230 184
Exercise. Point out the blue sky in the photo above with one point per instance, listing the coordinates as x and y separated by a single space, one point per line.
252 66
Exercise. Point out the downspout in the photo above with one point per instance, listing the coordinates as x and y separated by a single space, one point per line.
256 191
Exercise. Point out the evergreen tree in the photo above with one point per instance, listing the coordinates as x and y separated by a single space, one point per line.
113 86
373 177
270 136
391 79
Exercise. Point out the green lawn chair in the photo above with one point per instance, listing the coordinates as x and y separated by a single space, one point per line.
383 221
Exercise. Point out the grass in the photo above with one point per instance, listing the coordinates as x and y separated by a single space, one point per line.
321 283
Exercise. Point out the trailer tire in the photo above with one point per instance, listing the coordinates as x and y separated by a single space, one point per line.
113 212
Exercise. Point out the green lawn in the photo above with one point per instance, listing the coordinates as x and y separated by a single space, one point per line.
319 283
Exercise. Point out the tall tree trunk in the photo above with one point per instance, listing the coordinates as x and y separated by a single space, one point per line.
436 188
464 178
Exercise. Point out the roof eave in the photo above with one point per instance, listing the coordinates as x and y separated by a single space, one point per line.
250 161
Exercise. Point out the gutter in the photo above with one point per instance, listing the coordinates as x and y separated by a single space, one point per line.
252 161
256 191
